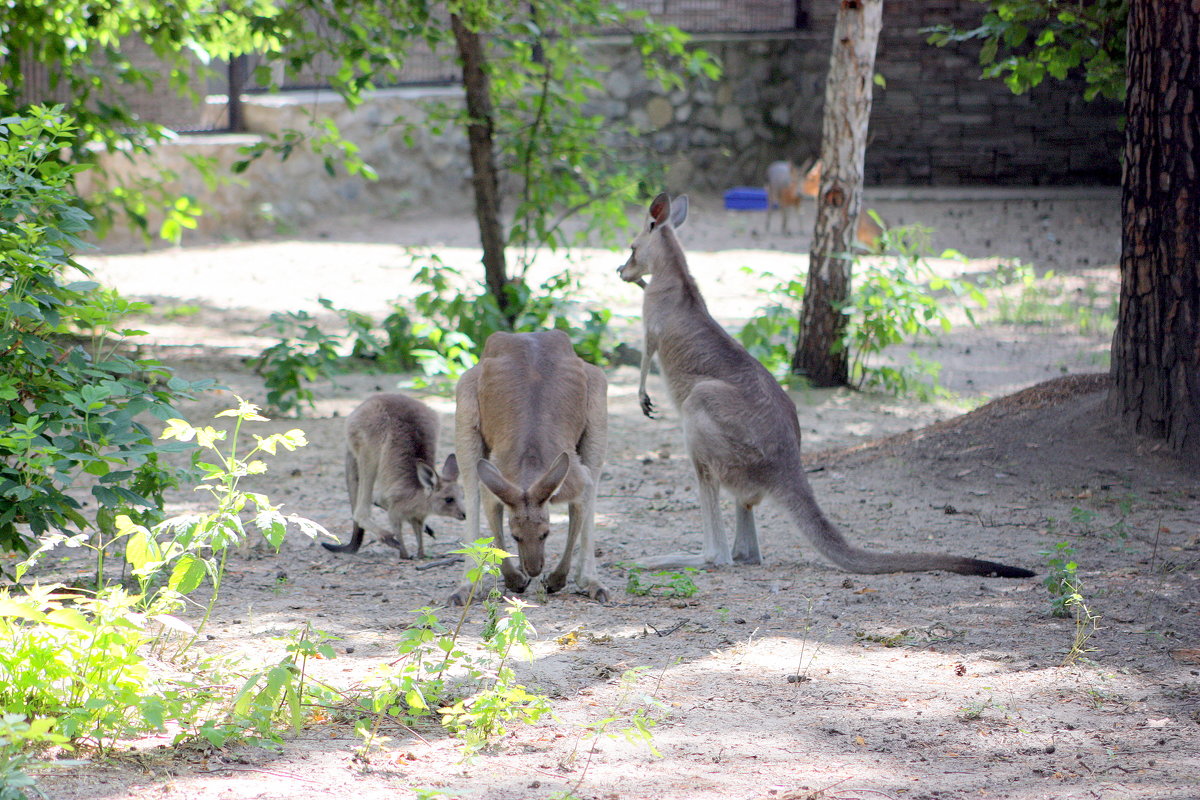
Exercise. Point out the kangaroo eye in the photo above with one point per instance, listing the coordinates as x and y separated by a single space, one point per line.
449 500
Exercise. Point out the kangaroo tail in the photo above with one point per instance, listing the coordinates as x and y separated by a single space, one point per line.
356 540
798 498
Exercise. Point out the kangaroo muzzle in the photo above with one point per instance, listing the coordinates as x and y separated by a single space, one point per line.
624 271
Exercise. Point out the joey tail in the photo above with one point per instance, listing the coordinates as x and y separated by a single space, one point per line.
797 497
356 539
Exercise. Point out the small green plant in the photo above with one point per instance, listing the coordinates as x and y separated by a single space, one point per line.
17 737
632 716
476 695
664 583
1066 598
975 711
1061 579
303 354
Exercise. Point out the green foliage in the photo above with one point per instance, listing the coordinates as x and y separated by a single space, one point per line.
894 298
475 694
81 660
632 716
441 331
84 49
775 327
16 736
665 583
1023 41
570 161
1061 579
1066 598
69 398
303 354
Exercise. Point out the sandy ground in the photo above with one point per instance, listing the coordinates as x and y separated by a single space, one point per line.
787 680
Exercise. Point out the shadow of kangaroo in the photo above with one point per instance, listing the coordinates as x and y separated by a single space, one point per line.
740 427
391 447
531 427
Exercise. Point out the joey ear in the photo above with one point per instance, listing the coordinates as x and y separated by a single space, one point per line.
497 484
660 210
679 209
545 487
450 469
426 476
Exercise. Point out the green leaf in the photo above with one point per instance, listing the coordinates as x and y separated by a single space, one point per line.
187 575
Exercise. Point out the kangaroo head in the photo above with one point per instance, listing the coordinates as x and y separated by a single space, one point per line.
528 509
647 246
443 494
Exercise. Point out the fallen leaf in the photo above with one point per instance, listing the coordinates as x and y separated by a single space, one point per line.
1158 723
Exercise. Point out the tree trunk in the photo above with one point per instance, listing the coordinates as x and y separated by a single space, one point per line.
483 159
1156 347
819 355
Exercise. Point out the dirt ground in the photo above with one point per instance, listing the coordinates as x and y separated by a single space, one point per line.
787 680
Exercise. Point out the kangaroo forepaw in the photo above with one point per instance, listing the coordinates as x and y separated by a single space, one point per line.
429 532
554 582
647 406
516 584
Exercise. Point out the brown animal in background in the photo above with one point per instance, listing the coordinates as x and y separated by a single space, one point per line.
391 446
868 231
740 426
783 190
531 426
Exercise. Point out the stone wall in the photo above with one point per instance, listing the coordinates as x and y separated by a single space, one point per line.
935 123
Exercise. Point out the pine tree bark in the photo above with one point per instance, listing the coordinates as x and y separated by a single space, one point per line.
485 176
819 353
1156 346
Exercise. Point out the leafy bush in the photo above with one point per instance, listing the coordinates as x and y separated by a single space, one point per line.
442 331
68 404
894 299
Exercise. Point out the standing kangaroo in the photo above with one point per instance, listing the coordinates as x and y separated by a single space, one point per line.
531 425
787 189
740 427
391 446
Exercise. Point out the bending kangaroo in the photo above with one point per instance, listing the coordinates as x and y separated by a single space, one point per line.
391 445
740 427
532 426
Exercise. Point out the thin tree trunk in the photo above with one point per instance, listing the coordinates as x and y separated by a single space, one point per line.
1156 347
819 355
483 159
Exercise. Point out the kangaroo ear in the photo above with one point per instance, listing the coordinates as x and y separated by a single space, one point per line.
660 210
679 210
497 484
426 476
545 487
450 469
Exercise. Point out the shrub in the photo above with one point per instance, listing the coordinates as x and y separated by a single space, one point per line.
68 403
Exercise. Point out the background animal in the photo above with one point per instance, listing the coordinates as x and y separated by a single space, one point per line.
391 447
531 429
740 427
787 187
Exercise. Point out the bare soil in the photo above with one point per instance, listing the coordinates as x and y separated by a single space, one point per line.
787 680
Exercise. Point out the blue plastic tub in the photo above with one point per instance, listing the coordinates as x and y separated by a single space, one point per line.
746 198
